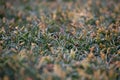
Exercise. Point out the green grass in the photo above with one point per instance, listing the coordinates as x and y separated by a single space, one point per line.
66 40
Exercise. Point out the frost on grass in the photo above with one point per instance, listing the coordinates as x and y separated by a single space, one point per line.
60 40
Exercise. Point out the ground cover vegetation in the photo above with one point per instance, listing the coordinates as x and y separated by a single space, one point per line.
59 40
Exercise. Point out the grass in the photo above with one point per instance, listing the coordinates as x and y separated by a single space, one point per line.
59 40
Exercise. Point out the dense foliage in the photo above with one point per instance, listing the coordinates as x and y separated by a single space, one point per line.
59 40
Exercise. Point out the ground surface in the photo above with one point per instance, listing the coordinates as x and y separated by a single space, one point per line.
60 40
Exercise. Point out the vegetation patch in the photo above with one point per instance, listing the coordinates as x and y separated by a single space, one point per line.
60 40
